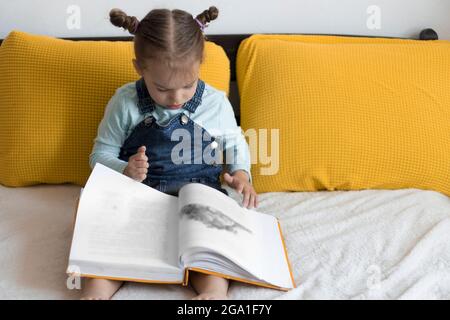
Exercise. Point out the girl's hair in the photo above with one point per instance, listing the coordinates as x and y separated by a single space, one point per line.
171 36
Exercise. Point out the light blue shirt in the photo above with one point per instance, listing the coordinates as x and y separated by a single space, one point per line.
215 114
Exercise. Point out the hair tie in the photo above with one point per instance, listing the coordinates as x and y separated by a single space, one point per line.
136 27
202 26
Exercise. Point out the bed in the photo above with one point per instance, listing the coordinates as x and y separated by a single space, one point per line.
366 244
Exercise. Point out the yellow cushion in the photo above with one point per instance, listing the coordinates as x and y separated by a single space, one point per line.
53 94
352 113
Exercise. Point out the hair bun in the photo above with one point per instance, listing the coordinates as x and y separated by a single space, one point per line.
122 20
212 13
208 15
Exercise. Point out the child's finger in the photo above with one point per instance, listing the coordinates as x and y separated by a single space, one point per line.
141 170
227 177
140 174
141 149
140 157
141 164
240 187
246 198
251 201
140 154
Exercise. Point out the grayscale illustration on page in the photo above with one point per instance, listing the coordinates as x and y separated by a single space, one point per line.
212 218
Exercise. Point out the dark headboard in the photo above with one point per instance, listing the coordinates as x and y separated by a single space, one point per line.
230 43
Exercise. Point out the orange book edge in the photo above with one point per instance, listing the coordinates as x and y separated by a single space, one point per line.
286 255
222 275
186 272
85 275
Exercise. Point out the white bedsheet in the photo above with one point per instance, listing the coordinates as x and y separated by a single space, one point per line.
370 244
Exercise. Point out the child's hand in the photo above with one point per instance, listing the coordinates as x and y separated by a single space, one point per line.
137 165
239 182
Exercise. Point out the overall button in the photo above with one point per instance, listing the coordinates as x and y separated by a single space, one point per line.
184 119
214 144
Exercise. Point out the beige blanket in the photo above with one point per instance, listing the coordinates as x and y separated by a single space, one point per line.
370 244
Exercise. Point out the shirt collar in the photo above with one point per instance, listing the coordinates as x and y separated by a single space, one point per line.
147 104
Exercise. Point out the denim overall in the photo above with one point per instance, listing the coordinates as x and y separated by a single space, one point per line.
164 174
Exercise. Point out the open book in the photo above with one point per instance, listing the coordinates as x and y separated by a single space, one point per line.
126 230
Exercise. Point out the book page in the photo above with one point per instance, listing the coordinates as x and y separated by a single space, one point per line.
272 258
121 221
213 224
212 221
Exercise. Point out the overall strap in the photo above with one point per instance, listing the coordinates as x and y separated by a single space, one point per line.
196 100
145 102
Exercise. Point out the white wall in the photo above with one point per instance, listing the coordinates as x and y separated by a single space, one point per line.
403 18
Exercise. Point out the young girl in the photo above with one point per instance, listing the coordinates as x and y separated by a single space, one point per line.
140 130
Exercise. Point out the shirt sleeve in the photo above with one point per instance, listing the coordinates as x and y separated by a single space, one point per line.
236 150
111 136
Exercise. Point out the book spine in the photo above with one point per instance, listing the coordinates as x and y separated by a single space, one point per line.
186 277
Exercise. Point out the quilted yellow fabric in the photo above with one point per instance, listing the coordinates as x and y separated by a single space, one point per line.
352 113
53 94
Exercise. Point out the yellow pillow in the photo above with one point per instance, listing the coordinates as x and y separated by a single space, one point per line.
53 94
352 113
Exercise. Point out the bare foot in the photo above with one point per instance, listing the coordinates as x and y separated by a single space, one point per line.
209 287
100 289
211 296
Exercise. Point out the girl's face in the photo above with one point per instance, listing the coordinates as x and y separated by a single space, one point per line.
169 89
